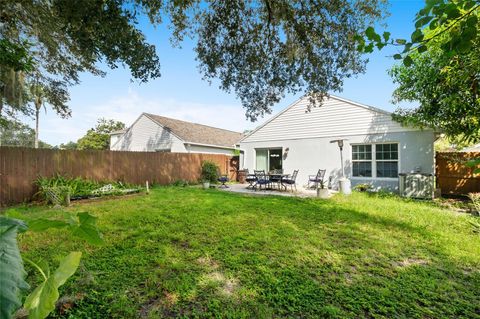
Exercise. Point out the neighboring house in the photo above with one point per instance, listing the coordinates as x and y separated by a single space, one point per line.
376 148
151 133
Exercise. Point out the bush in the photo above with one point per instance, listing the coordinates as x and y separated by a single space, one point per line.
79 187
209 172
362 187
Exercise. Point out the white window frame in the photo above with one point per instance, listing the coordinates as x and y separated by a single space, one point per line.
268 149
374 161
362 160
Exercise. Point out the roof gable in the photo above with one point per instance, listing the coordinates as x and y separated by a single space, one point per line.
336 117
197 133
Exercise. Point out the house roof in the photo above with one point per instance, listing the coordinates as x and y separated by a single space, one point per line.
117 132
330 97
197 133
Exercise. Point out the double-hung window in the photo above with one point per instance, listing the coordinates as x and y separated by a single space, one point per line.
362 160
375 160
386 157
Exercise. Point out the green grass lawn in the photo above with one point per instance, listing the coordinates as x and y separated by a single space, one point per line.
186 252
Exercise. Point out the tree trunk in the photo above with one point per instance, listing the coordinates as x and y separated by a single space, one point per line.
37 115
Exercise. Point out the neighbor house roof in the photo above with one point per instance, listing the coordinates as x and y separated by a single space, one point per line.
197 133
117 132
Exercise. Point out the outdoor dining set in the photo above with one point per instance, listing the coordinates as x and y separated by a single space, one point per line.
278 180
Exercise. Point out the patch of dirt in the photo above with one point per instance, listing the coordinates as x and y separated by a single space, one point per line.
227 286
208 262
158 304
411 262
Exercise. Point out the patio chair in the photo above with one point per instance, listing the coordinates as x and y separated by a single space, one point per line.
261 179
316 179
250 179
290 181
223 178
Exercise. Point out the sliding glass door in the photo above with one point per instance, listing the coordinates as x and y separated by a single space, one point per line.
268 159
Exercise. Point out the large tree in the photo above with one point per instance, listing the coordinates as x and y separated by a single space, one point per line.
260 50
18 134
440 69
98 138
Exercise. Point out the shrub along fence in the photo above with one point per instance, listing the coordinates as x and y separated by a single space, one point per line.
453 176
20 167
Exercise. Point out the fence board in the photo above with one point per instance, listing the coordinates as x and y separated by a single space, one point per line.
453 176
20 167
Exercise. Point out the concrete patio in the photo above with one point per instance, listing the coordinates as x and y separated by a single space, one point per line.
300 192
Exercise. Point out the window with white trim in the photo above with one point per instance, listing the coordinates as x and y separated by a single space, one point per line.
362 160
375 160
386 157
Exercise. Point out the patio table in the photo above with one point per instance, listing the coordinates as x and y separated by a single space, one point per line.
279 177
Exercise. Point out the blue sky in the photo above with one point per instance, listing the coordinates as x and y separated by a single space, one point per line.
181 93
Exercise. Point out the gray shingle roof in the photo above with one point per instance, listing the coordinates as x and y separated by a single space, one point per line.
198 133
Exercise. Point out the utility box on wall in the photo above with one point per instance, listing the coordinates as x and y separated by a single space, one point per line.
416 185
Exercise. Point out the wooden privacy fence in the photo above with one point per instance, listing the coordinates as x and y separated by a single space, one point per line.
453 176
20 167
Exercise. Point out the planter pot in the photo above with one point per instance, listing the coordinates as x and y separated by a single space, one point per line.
323 193
206 185
345 186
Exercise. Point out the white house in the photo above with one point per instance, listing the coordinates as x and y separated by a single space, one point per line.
151 133
376 148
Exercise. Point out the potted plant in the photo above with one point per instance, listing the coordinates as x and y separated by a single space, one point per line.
209 173
322 192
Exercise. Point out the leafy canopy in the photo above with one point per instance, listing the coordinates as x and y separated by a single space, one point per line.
260 50
98 138
445 83
14 133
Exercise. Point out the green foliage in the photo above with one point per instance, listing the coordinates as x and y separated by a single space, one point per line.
66 38
42 300
209 172
362 187
447 143
458 19
15 56
440 68
80 187
13 133
260 50
68 146
98 138
83 225
180 183
183 252
475 163
12 273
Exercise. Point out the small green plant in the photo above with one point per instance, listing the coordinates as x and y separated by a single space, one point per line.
209 172
363 187
180 183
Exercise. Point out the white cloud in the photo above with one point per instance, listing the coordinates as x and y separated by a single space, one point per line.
127 108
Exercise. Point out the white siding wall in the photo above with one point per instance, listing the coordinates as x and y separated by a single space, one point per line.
114 138
335 118
147 136
309 155
208 150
